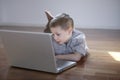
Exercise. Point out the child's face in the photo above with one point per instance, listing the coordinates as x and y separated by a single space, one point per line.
61 36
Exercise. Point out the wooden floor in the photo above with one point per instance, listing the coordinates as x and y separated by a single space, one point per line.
102 64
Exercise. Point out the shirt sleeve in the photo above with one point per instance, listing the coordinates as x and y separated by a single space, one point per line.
78 44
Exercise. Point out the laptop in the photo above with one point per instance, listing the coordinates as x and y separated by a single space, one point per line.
32 50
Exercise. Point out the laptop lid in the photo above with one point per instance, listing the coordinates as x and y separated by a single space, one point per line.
31 50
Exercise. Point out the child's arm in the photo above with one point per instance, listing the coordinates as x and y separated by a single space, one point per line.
73 57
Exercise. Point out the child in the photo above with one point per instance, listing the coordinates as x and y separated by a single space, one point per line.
68 43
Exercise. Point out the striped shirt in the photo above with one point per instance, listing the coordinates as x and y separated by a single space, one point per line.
77 43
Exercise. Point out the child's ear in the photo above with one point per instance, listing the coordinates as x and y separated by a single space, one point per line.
70 30
49 15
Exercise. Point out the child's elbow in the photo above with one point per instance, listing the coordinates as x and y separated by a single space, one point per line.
77 57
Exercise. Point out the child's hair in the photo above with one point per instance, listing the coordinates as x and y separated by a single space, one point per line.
63 20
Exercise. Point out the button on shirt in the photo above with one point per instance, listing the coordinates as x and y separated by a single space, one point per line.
76 43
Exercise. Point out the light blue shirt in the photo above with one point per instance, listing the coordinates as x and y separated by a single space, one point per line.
76 43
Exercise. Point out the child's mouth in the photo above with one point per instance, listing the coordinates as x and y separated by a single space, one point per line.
59 42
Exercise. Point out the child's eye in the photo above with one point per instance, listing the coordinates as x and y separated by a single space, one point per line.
58 34
53 35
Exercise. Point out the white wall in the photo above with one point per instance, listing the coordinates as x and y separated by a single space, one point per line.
1 11
103 14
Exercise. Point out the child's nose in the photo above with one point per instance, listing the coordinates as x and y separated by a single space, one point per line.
56 38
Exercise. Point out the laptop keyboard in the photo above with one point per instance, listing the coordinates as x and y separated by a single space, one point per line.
61 63
64 64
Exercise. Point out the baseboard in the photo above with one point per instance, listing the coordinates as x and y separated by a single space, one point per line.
43 25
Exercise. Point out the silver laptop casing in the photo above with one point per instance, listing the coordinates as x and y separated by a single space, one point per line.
31 50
